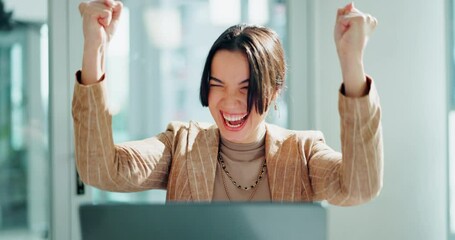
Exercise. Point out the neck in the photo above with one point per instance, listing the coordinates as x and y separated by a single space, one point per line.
261 131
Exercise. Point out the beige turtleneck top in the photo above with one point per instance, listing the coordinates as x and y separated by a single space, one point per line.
243 161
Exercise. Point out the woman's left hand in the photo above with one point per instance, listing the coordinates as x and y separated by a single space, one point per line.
352 30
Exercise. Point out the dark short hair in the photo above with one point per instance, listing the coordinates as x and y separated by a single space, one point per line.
266 62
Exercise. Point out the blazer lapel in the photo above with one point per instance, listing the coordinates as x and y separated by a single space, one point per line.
283 165
272 145
202 153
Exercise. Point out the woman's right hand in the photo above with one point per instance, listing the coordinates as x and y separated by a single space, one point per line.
99 19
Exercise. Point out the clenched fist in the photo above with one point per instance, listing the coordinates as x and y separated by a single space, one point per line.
351 33
100 19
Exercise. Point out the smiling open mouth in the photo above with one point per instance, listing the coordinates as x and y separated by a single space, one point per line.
234 120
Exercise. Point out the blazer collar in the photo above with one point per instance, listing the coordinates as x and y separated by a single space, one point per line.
202 154
273 142
284 164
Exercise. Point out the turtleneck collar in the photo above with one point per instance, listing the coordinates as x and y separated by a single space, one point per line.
243 151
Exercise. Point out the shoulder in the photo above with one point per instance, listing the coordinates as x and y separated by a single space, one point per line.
301 137
203 125
177 126
278 137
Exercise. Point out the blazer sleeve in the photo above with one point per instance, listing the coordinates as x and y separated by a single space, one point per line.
356 175
127 167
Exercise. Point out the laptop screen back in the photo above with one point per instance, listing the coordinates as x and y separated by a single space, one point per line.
203 221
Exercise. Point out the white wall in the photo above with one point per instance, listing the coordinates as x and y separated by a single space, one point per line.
407 58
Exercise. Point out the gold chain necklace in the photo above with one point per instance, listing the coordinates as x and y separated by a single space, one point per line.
227 192
254 186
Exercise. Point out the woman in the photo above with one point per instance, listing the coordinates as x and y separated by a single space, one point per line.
241 157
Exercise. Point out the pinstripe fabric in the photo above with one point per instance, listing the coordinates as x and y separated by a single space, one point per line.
182 159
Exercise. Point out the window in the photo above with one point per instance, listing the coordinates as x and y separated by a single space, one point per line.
156 60
24 151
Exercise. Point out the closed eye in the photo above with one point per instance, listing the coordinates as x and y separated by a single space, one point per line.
244 90
215 82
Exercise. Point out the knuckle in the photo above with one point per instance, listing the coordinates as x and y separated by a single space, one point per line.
82 6
359 19
106 12
372 20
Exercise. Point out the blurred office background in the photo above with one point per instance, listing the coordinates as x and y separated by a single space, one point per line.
154 67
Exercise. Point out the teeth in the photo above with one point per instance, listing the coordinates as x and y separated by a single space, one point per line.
233 126
233 117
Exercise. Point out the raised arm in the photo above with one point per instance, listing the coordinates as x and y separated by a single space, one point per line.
126 167
356 175
351 33
100 19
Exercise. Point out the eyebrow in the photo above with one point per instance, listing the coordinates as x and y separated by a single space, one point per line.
220 81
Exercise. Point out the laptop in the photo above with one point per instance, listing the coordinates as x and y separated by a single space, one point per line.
264 221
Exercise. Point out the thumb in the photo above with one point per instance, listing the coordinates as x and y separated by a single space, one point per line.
117 7
105 18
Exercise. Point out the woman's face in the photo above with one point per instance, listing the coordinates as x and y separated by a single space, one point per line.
228 93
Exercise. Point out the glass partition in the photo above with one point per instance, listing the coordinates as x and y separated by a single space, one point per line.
24 151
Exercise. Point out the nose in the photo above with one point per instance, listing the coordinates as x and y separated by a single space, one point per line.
233 99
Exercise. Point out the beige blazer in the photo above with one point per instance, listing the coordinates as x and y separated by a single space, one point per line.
183 159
